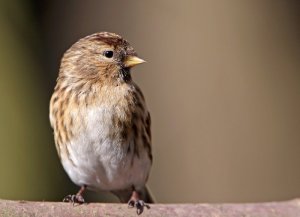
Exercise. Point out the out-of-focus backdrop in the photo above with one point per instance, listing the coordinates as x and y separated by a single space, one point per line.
222 82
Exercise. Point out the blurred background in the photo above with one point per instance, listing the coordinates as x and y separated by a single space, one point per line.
222 82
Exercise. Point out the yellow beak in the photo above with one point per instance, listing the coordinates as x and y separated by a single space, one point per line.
131 61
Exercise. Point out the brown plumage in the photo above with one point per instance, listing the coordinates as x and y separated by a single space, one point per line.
100 119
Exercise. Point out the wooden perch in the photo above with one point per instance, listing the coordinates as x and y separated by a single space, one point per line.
273 209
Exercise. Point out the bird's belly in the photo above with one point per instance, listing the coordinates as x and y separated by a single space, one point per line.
100 160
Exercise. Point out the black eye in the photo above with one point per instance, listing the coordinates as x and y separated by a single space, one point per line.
108 53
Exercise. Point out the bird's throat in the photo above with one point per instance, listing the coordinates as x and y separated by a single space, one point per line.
125 74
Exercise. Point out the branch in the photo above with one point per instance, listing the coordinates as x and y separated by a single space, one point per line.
273 209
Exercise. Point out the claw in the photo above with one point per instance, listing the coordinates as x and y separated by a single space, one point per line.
131 204
74 198
139 205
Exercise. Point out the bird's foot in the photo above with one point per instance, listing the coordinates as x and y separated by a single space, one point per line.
138 204
74 199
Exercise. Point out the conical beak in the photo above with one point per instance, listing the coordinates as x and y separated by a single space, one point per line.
131 61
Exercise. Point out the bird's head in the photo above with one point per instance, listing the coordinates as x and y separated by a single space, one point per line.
103 56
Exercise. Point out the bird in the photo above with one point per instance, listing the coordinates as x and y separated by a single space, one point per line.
101 123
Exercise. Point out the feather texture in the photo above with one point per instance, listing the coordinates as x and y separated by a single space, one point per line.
100 119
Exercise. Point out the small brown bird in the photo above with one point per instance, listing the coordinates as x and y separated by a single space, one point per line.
100 120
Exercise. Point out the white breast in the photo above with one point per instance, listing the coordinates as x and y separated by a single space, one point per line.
100 162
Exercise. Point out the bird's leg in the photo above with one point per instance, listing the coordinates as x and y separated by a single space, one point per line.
135 201
76 198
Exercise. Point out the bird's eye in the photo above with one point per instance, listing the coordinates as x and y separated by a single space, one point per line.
108 53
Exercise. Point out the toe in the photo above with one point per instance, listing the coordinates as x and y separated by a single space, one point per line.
79 199
131 203
75 199
67 198
140 204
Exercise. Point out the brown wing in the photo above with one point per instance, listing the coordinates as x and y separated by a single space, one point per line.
147 141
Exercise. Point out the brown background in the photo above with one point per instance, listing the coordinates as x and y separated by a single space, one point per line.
222 82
